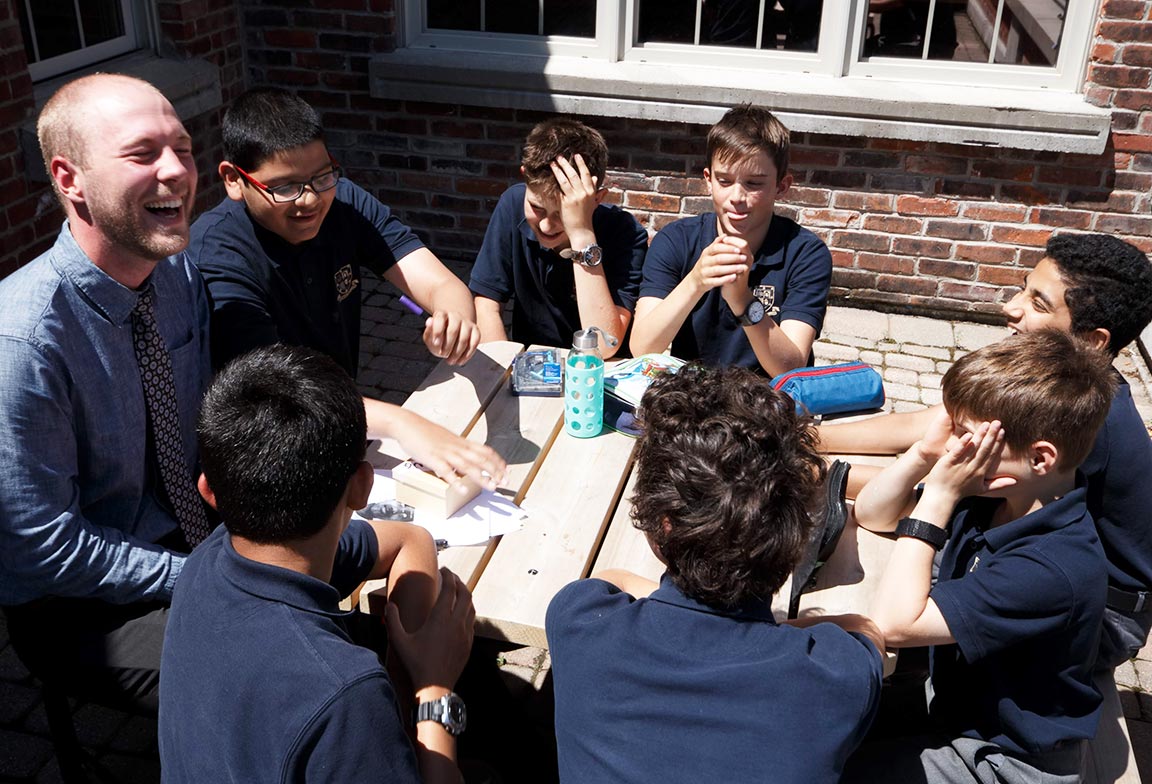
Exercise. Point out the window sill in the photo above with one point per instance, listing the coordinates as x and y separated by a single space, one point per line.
193 87
990 117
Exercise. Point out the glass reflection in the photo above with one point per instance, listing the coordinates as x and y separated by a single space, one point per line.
787 24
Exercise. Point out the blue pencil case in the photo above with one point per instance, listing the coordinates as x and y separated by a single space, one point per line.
833 389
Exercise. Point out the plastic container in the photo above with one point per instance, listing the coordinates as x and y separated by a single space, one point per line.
584 384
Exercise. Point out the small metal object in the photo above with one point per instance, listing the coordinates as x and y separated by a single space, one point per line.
533 571
441 544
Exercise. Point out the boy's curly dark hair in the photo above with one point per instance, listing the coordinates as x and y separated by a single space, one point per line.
1109 284
726 474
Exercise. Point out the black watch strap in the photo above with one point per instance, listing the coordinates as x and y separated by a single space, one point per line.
925 532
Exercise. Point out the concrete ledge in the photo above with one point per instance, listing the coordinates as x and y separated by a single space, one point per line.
1020 119
193 87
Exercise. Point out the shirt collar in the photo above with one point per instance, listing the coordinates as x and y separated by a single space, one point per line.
1058 514
751 610
273 583
107 296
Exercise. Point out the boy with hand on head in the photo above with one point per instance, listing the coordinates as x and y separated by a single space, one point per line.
1014 616
282 258
740 286
567 260
1098 288
260 680
695 679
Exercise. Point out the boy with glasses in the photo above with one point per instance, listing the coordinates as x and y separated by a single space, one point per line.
282 257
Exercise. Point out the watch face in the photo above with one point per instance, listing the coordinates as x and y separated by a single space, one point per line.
593 255
755 311
455 714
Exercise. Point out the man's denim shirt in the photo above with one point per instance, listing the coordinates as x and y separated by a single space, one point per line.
80 499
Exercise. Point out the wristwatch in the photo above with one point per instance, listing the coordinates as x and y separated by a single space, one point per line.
589 257
753 315
449 710
925 532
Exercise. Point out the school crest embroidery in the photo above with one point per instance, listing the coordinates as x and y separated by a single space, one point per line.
766 293
345 283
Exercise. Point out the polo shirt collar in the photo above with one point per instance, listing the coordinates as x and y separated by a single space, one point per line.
107 296
275 583
1061 513
751 610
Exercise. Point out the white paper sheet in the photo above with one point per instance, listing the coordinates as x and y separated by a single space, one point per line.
488 514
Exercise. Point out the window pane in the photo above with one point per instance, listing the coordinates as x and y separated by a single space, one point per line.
102 20
788 24
570 17
55 26
512 16
454 14
962 30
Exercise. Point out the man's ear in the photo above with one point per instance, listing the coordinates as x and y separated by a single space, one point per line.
206 491
69 180
360 485
1097 338
1044 457
783 186
233 181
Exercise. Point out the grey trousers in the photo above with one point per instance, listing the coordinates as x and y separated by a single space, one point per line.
936 759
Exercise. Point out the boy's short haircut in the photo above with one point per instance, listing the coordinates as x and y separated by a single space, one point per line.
726 473
1108 284
562 136
281 430
1045 385
748 130
265 121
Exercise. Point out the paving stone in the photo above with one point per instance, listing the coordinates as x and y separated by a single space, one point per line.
137 736
1126 676
11 668
16 700
50 773
97 724
1140 733
932 352
21 755
909 362
858 341
920 331
854 321
893 375
129 768
1143 674
974 336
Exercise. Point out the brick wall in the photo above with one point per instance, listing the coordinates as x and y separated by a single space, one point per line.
29 216
914 226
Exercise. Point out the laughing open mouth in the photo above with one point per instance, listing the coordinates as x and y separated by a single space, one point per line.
165 209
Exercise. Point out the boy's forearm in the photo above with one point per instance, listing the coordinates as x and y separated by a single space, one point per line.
435 747
594 301
490 319
628 582
407 557
654 329
849 622
776 350
882 435
884 500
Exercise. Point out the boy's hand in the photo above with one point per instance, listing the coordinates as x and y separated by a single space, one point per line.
451 336
435 653
934 443
963 470
723 263
578 198
446 453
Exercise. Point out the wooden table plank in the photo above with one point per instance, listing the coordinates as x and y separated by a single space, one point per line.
624 547
569 502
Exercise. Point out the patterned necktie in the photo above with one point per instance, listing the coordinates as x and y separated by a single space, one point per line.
163 418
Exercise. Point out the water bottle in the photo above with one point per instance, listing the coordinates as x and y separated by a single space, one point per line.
584 384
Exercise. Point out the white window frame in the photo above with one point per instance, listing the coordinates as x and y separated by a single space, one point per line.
831 91
135 36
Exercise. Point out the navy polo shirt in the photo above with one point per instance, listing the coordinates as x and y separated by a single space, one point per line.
791 275
512 265
260 682
668 689
1024 601
265 290
1119 470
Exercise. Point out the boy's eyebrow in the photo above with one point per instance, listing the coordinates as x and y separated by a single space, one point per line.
1040 295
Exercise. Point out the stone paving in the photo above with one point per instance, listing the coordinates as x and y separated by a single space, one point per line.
912 354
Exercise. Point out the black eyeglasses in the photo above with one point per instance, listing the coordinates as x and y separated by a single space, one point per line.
291 191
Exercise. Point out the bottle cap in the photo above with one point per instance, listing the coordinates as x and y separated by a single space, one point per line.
587 339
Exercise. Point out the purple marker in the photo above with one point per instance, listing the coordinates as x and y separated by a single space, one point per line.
412 306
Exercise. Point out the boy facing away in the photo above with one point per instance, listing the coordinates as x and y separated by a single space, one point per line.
694 680
282 256
1098 288
260 680
1014 616
739 286
567 260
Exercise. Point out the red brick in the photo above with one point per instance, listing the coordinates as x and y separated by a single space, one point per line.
1124 224
832 218
1137 55
1000 276
879 262
853 279
1061 218
992 254
1124 9
807 197
1134 100
481 187
1027 194
918 205
842 258
1118 76
684 186
946 269
1017 235
925 287
1099 96
1132 142
925 164
1104 52
1123 32
864 202
652 201
969 292
290 39
956 230
858 240
1003 170
917 246
892 224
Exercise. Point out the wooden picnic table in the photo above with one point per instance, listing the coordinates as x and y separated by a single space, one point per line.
576 493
